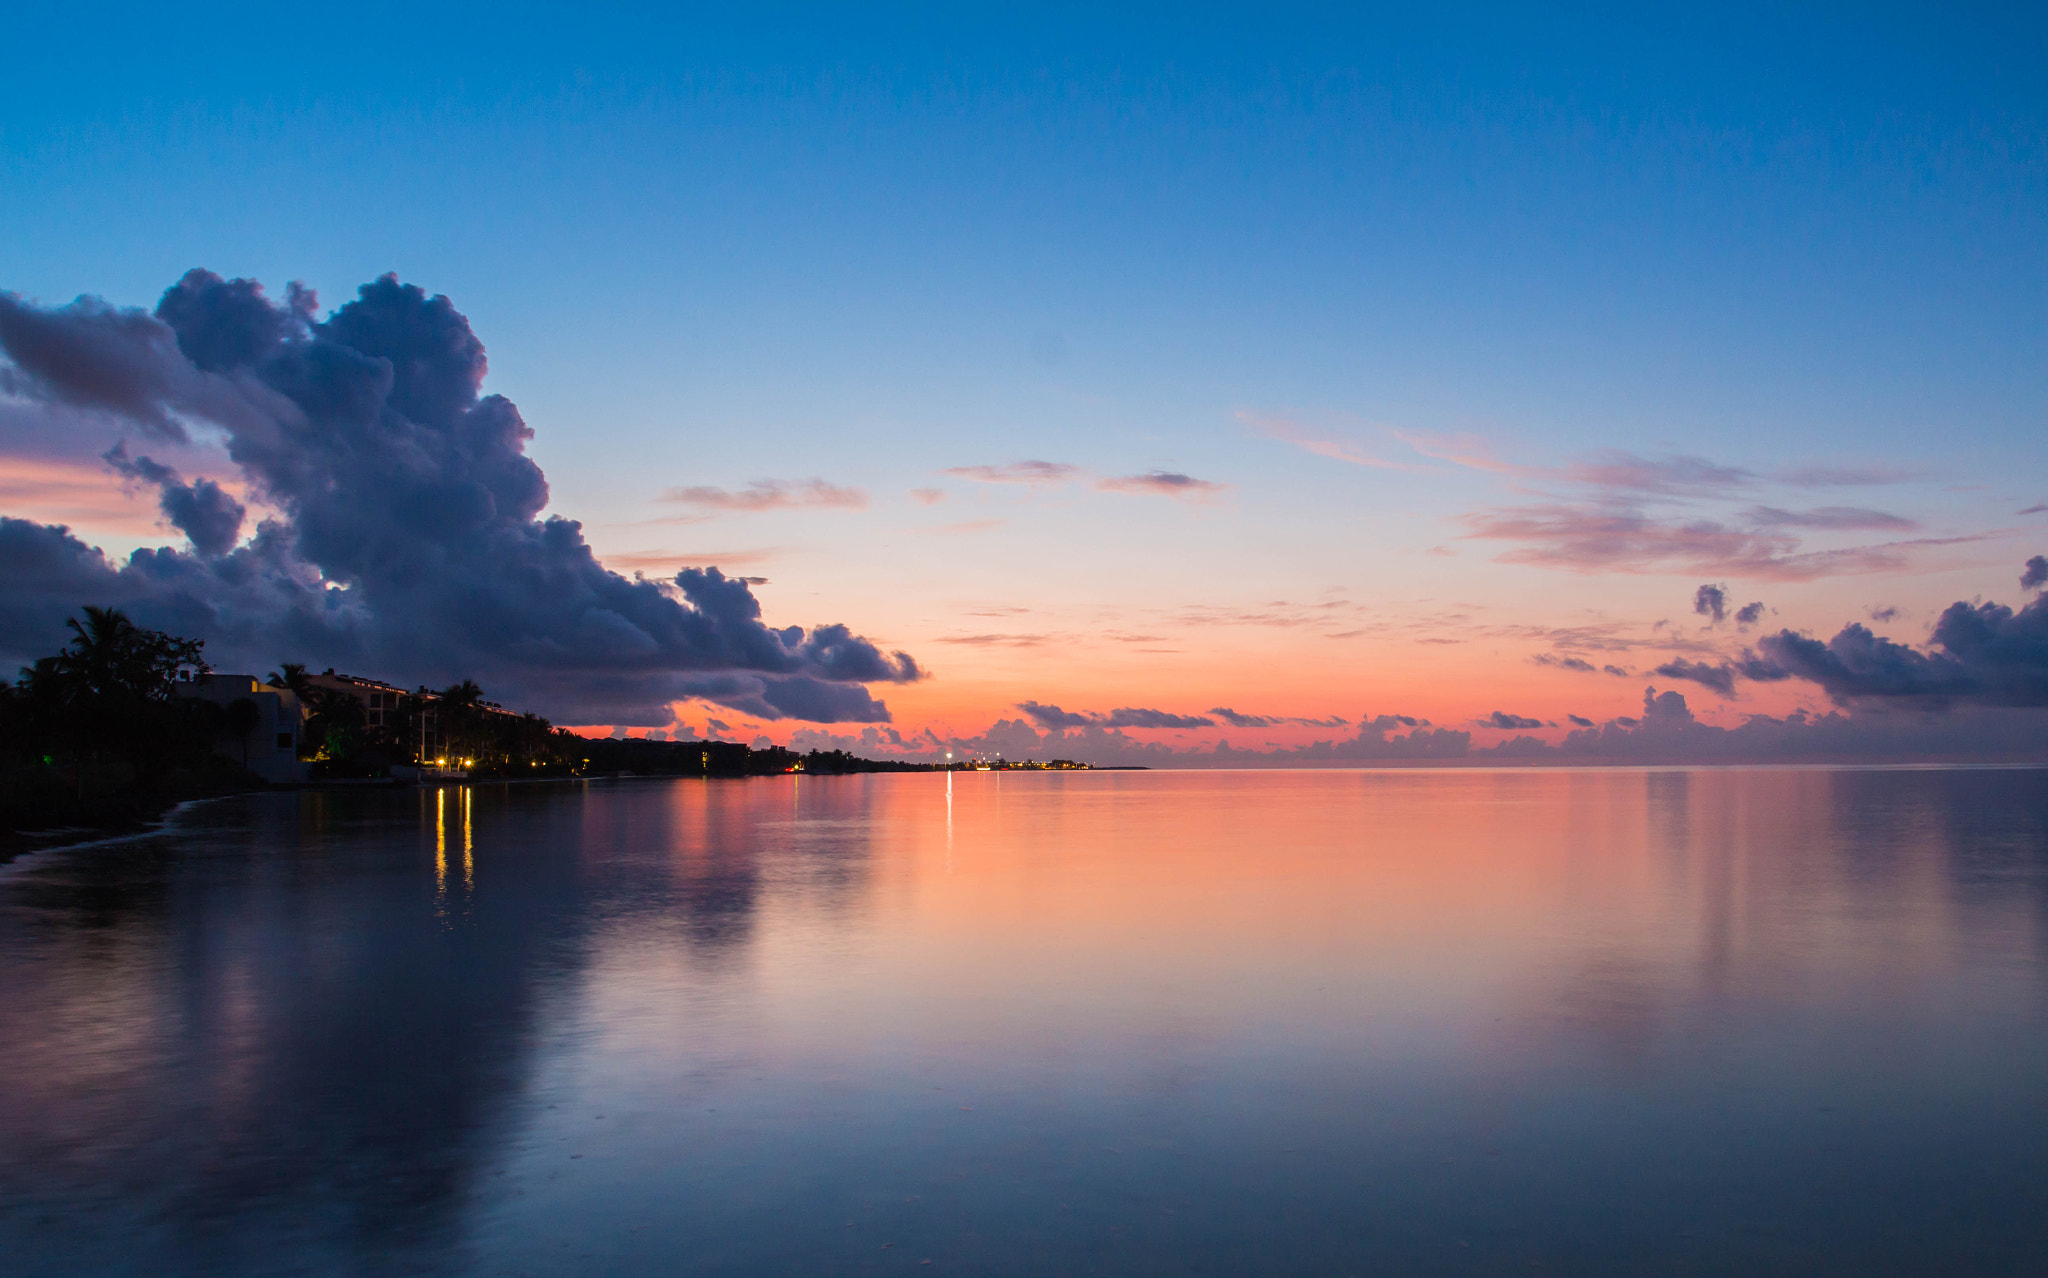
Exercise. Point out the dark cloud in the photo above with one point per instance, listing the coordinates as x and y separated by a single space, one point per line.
1886 613
91 355
1748 614
1164 483
1052 716
1720 678
1125 717
1617 671
2035 510
771 494
1236 720
411 542
1711 601
1980 654
1580 720
2036 575
1563 662
1502 719
210 519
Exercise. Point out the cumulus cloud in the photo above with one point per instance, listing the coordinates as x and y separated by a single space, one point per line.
771 494
1165 483
410 541
1711 601
1981 654
2036 575
210 519
1666 731
1748 614
1236 720
1720 678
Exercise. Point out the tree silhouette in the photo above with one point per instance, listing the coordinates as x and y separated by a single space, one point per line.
110 658
243 716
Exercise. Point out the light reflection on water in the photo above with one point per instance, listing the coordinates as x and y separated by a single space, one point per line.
1769 1021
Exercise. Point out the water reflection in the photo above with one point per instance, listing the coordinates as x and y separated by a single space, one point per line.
1749 1021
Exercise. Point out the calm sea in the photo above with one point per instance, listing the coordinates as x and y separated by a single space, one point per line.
1597 1022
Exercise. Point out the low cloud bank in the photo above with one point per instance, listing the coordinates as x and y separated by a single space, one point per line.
409 540
1666 731
1977 690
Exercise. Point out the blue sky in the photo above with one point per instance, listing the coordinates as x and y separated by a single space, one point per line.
870 245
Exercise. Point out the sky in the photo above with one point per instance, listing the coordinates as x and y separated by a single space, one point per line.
1303 364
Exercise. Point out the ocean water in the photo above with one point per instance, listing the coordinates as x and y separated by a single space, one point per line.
1771 1021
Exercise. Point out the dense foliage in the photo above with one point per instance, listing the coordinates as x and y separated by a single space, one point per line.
94 736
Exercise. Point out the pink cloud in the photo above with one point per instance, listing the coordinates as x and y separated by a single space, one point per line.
1321 443
771 494
1035 474
1592 539
1165 483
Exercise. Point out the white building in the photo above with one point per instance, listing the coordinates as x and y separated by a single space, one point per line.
270 748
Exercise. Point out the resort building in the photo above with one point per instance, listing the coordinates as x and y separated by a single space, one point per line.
263 738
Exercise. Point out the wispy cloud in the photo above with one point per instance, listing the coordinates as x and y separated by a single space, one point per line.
1236 720
1599 539
928 496
1322 443
771 494
1046 474
1850 474
1046 716
1670 476
1035 474
1841 518
666 562
1469 451
965 526
998 640
1611 469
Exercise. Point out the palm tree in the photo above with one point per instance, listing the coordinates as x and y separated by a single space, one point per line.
292 675
460 714
243 716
